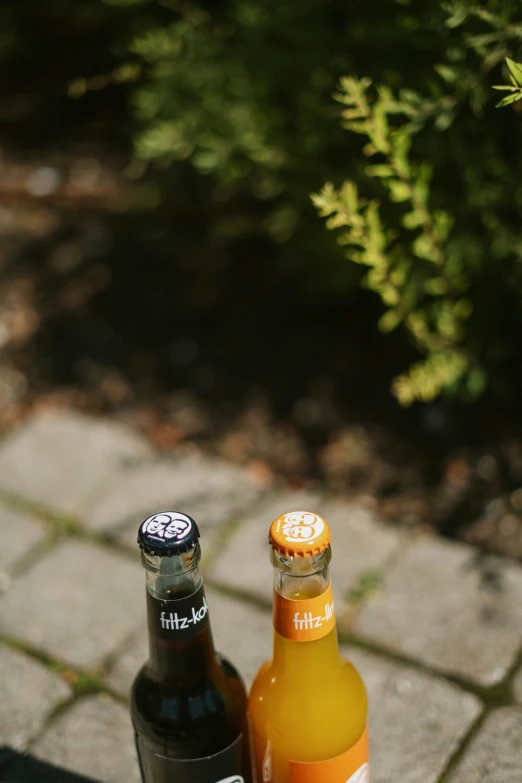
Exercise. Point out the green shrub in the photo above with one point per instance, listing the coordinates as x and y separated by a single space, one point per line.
515 88
241 90
429 211
444 252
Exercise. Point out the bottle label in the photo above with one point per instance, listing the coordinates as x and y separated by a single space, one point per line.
179 618
349 767
306 620
223 767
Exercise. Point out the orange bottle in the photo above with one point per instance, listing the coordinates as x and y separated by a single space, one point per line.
308 706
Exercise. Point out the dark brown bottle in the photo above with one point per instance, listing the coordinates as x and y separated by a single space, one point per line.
188 703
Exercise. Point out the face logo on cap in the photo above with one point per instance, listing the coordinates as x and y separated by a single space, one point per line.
233 779
168 526
361 776
302 527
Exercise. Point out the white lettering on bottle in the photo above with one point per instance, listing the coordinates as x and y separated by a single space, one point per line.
305 621
233 779
173 621
267 764
361 776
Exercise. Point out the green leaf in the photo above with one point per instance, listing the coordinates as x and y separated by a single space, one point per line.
476 382
381 170
389 321
349 196
516 71
77 88
479 41
463 309
459 15
423 247
437 286
412 220
357 126
337 221
444 120
509 99
449 75
399 191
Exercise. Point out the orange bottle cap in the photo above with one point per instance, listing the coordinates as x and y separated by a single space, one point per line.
299 534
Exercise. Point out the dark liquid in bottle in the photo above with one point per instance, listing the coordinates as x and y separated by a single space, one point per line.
188 703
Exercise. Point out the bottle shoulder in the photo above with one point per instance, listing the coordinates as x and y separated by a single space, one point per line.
222 678
271 679
336 696
261 683
206 714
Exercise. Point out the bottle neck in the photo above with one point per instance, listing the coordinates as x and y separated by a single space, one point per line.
181 649
300 578
305 633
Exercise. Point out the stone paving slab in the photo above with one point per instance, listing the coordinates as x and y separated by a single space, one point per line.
77 604
29 694
133 654
417 721
62 459
244 563
494 755
443 607
242 633
210 490
359 544
93 737
19 533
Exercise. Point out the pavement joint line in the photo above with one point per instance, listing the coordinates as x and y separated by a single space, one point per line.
230 528
81 676
356 606
464 745
83 682
514 671
109 661
226 532
65 705
62 527
497 695
26 561
355 597
233 592
110 544
64 522
193 498
57 710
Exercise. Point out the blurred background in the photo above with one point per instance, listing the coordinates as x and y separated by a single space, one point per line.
287 233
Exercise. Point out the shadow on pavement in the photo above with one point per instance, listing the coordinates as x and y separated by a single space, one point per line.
20 768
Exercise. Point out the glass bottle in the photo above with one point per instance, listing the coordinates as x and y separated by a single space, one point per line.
307 705
188 704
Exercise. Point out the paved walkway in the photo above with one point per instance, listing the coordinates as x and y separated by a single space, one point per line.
435 630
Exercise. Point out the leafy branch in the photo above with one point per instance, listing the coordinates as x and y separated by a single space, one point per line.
411 268
515 88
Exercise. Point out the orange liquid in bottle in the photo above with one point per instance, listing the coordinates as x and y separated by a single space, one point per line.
307 704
